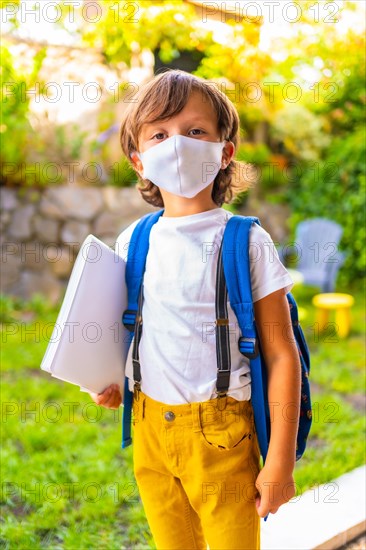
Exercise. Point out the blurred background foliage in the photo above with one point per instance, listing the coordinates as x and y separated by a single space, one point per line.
309 155
17 133
303 133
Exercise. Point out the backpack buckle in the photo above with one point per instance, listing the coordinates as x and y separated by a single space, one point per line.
129 319
248 347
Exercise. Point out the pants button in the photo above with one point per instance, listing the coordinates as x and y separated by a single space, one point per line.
169 416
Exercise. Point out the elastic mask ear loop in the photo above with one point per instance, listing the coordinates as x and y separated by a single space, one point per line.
222 161
223 167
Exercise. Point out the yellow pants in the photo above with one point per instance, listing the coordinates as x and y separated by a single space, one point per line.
195 466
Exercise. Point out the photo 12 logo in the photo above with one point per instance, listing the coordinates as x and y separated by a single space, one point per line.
270 12
70 11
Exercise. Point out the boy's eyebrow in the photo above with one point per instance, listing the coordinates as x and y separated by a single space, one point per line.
194 120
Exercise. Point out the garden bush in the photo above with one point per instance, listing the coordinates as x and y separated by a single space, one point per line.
337 191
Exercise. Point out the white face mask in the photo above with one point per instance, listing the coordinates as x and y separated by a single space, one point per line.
181 165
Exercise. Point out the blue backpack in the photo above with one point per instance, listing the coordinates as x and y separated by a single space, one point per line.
233 270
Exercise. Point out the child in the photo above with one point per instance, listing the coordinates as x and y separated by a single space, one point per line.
196 456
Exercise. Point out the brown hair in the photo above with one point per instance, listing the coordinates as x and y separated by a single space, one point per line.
163 97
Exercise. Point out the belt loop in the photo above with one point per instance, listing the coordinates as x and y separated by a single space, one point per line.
221 402
139 409
196 413
137 390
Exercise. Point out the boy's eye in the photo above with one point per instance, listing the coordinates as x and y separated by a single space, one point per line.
160 135
196 131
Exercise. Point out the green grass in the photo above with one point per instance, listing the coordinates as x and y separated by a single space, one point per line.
66 483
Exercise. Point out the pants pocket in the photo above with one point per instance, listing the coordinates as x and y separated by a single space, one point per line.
226 429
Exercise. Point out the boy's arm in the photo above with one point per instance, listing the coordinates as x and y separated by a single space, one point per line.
275 482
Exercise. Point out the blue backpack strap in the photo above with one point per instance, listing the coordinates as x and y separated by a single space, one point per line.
305 403
237 274
135 268
299 335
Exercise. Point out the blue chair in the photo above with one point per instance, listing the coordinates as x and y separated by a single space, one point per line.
316 250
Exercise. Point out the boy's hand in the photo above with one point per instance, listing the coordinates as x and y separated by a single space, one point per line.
110 398
275 487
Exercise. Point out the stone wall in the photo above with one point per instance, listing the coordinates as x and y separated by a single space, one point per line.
41 232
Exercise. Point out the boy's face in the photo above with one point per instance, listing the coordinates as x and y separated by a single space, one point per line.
197 120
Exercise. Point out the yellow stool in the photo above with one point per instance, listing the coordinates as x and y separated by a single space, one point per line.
341 303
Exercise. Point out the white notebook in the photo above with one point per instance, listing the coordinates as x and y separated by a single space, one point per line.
89 343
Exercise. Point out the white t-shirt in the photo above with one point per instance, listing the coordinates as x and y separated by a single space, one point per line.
177 349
